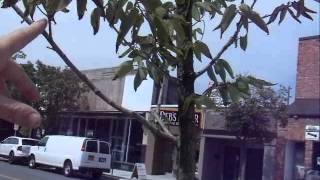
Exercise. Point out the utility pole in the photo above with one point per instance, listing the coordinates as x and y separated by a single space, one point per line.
289 94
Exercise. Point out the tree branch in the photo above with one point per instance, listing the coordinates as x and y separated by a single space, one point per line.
63 56
224 48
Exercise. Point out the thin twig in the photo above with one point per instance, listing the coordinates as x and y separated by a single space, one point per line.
84 78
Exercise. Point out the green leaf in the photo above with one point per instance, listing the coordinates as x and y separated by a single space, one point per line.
283 14
171 60
254 17
259 83
227 18
95 19
219 69
242 85
233 92
275 13
204 5
81 8
211 75
227 67
7 3
244 42
195 13
53 6
178 27
199 46
26 7
139 77
293 15
223 3
151 5
162 30
224 95
126 25
124 69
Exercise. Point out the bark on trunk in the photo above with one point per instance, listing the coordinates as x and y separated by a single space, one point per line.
186 79
243 161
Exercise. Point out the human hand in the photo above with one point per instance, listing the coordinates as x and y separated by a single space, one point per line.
12 110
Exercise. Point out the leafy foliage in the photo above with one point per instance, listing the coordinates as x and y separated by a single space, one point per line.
255 117
165 45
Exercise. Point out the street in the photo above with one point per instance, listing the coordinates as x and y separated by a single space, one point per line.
22 172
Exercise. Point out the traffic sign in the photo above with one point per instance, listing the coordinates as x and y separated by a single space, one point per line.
312 133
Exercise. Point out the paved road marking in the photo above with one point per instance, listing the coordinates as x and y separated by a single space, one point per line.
8 177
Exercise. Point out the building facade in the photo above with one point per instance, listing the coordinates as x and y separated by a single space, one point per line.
298 145
99 120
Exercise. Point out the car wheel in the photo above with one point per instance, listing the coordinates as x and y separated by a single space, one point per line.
67 169
96 174
11 157
32 162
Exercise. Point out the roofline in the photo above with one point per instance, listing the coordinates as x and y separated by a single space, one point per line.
309 38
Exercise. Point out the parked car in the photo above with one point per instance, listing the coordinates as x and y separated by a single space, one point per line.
16 148
72 154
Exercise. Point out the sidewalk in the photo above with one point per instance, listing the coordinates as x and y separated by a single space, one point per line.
127 174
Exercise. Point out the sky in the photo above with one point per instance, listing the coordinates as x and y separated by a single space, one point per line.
271 57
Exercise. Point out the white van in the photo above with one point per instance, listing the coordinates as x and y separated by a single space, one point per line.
72 154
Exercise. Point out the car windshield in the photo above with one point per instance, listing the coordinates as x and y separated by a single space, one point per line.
29 142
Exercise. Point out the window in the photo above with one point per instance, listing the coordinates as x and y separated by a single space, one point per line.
104 148
43 141
29 142
92 146
6 141
11 141
14 141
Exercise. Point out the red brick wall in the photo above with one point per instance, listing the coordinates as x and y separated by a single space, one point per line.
295 129
308 73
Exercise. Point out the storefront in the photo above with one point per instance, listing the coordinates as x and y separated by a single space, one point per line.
160 154
220 153
125 134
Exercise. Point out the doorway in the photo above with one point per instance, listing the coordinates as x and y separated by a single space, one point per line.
254 165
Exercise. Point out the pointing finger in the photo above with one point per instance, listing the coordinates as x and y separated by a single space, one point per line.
16 40
18 113
16 75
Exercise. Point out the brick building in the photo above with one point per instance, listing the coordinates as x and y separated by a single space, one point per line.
296 153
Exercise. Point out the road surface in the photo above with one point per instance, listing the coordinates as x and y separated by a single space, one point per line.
22 172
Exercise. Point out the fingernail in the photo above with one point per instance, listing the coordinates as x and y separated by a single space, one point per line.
34 120
42 21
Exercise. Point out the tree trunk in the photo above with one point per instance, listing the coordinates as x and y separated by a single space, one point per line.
186 79
243 161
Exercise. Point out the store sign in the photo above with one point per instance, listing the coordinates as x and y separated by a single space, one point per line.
171 117
312 133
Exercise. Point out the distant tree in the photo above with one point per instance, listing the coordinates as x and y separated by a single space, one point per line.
60 90
159 36
255 119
